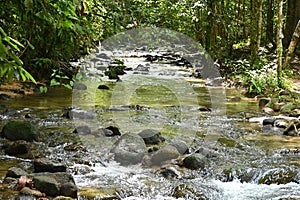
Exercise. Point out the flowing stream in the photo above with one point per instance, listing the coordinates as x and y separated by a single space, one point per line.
246 161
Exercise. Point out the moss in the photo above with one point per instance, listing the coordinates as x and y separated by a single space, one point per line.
227 142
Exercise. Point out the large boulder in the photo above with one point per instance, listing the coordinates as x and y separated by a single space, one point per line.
20 130
54 184
164 154
151 136
47 185
129 149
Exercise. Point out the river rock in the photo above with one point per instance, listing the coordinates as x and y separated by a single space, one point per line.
15 172
292 128
60 183
280 123
103 87
268 111
194 161
151 136
129 149
77 113
104 132
114 129
47 185
69 189
268 121
17 148
31 192
208 153
5 97
181 146
20 130
164 154
277 176
262 102
83 130
45 165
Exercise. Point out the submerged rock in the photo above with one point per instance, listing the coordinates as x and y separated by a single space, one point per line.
20 130
129 149
151 136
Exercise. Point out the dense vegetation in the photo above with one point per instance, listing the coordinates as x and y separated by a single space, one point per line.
40 37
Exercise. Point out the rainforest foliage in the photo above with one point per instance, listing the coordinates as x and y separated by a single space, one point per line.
248 38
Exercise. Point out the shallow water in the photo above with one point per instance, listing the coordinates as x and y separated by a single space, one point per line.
148 100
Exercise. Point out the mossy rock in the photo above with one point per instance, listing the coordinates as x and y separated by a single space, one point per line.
20 130
278 176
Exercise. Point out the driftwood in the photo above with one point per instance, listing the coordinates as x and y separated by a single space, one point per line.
292 46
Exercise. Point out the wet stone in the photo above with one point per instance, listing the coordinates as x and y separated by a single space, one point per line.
77 113
194 161
181 146
17 148
15 172
45 165
262 102
164 154
129 149
20 130
31 192
47 185
268 121
151 136
115 130
103 87
69 190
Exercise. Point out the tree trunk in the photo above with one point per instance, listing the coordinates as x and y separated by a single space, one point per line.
270 23
293 16
256 28
294 41
279 43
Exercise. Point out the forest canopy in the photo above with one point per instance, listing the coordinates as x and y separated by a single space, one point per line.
38 38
